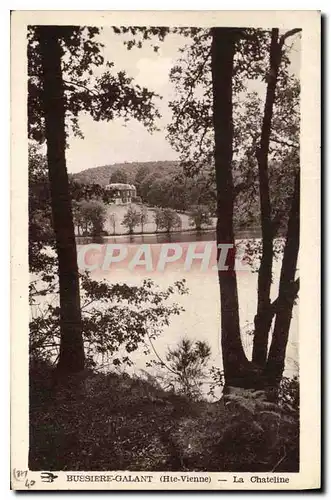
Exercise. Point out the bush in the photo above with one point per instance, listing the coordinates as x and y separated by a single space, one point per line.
117 318
143 217
136 199
113 221
89 217
158 217
131 219
122 423
117 423
168 219
185 369
200 217
241 433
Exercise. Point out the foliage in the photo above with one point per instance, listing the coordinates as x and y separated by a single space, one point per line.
263 427
40 219
136 36
175 190
118 176
143 171
117 318
240 139
114 422
158 215
113 221
131 219
241 433
143 217
127 423
87 205
102 174
200 217
191 130
217 381
89 217
94 191
168 219
90 84
185 368
289 393
160 183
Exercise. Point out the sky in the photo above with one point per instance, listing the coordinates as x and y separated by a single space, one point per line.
117 142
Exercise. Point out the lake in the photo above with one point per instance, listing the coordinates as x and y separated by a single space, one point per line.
201 318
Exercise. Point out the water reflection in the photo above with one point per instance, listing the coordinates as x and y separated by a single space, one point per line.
154 238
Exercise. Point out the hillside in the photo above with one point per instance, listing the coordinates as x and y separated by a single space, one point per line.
100 175
117 422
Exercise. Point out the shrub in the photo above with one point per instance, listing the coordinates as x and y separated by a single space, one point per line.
113 221
89 217
143 217
117 318
241 433
158 217
185 369
168 219
131 219
199 217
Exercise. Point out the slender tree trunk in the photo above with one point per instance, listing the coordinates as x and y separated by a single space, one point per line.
223 49
264 314
71 358
288 288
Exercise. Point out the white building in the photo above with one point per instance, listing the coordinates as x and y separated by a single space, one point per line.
122 193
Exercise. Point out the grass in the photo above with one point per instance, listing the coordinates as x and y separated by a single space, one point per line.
149 227
116 422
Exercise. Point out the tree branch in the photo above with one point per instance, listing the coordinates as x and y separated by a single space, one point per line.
284 142
274 306
159 357
288 34
96 94
195 77
262 318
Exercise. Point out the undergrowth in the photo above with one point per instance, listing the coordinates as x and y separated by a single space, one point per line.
118 422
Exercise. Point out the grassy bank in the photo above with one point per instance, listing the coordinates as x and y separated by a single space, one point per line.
120 210
115 422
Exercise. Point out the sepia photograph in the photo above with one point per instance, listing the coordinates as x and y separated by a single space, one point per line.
163 170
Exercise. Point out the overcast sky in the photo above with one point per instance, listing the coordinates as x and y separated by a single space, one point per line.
112 142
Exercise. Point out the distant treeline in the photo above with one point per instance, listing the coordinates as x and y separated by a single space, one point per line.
160 184
102 174
163 184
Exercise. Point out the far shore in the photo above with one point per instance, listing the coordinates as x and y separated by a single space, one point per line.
151 233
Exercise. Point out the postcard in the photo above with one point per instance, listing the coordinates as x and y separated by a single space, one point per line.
165 207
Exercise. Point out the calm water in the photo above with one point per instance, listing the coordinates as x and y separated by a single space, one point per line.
201 318
155 238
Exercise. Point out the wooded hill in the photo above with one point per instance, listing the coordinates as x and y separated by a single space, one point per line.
101 175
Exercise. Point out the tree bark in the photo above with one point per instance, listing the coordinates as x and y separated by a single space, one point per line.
263 318
223 49
71 357
288 289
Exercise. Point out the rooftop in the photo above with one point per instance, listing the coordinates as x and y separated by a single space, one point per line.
120 185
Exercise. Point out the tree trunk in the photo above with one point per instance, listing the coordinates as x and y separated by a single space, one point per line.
71 357
264 314
288 288
235 362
